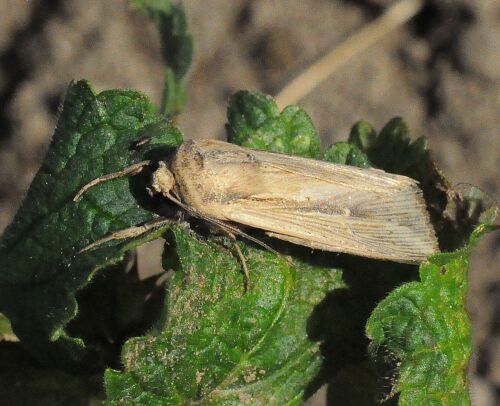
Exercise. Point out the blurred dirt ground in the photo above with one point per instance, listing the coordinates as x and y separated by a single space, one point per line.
441 73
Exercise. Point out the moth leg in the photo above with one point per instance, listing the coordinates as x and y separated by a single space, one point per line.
232 231
128 233
221 224
243 261
128 171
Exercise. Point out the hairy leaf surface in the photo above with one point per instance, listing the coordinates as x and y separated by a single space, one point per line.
40 268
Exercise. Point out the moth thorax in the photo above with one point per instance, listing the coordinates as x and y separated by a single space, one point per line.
163 180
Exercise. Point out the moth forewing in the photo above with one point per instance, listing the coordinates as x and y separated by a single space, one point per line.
339 208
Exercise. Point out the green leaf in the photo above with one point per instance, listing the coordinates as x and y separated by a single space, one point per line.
254 121
219 345
115 305
391 149
203 355
363 135
424 328
40 270
346 154
476 204
231 347
26 382
177 49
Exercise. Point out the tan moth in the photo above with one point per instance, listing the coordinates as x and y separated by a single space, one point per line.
318 204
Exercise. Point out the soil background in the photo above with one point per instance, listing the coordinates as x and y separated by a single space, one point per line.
440 72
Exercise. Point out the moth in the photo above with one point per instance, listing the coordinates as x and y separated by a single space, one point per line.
317 204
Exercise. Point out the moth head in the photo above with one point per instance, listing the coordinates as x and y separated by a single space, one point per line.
163 180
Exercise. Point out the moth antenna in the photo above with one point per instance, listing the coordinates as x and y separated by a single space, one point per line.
179 203
128 171
237 231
